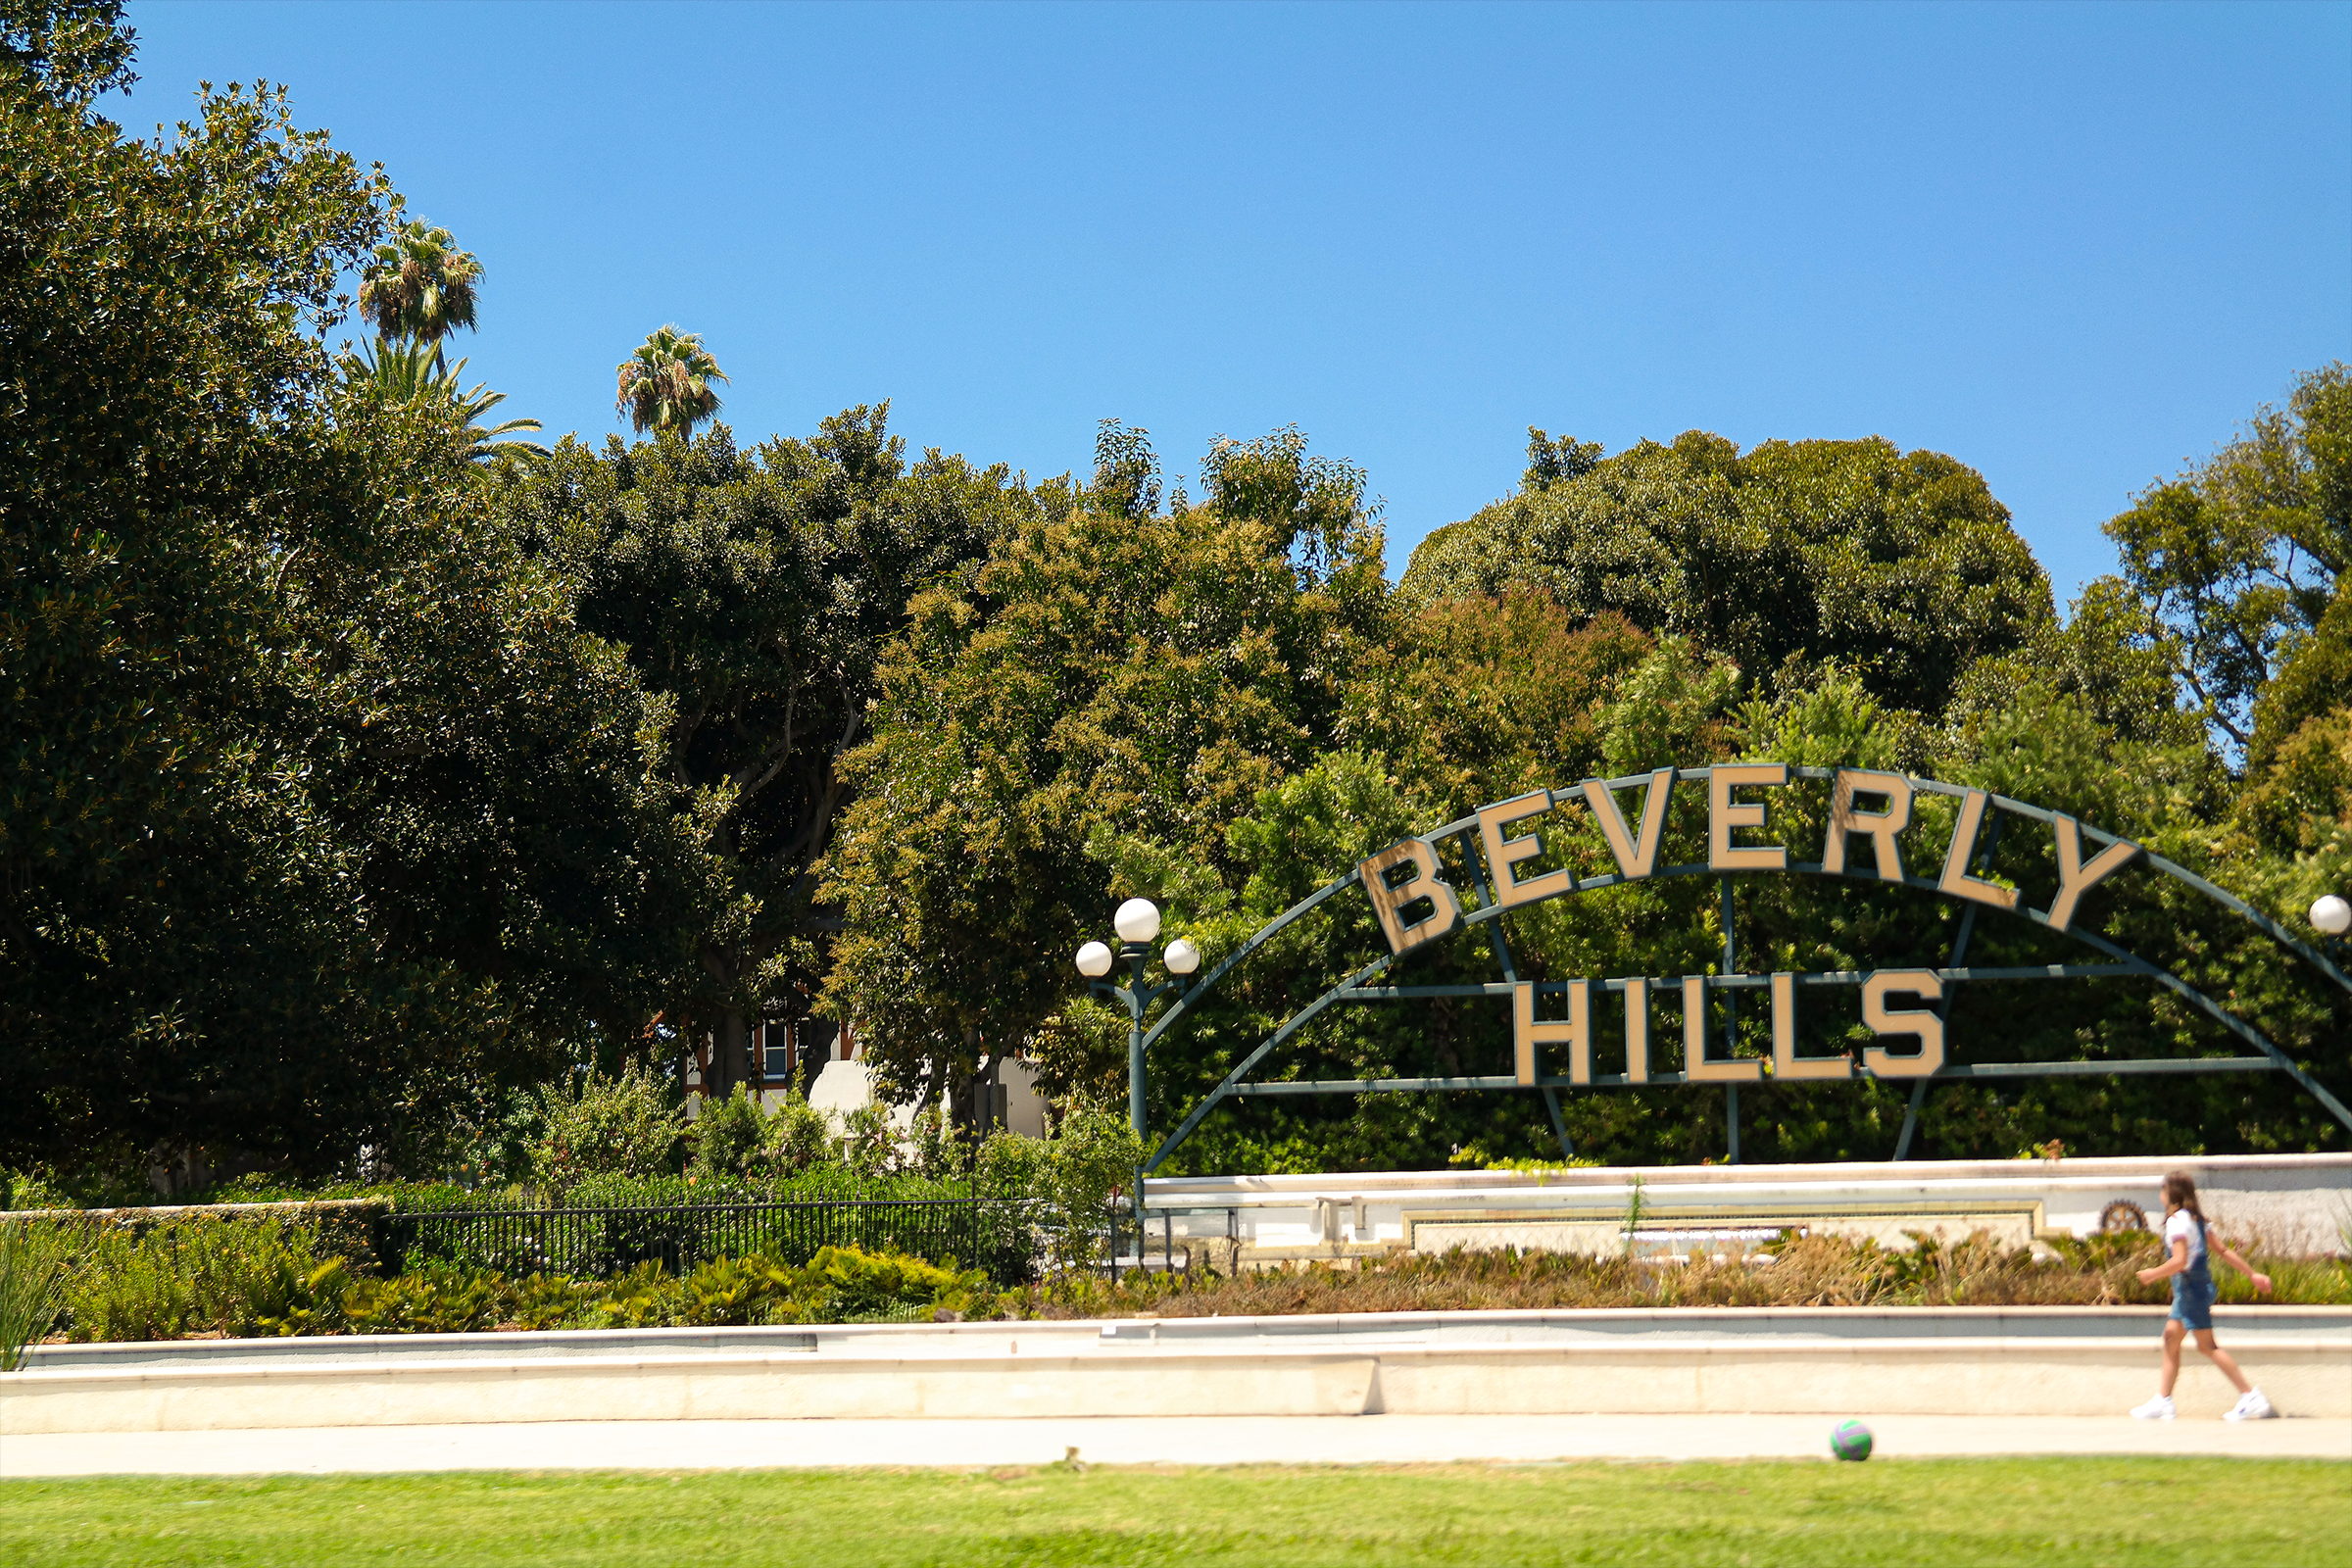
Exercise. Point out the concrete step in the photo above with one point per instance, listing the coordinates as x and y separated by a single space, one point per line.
1402 1364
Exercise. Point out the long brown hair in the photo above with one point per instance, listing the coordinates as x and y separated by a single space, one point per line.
2180 1192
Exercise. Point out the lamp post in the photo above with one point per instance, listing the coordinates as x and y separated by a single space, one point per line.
2331 917
1137 922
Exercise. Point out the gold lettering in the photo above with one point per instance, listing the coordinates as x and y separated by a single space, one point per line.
1636 1031
1882 826
1633 860
1576 1033
1877 986
1723 816
1786 1063
2075 878
1696 1069
1388 903
1955 880
1504 854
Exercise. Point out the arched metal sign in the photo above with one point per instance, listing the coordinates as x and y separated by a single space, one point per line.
1556 1041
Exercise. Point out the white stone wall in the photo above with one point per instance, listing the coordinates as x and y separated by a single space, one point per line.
2287 1204
842 1086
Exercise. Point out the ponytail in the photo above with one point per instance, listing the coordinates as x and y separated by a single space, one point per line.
2180 1192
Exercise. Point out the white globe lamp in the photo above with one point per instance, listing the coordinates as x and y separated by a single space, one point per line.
1094 960
1137 921
2332 915
1182 958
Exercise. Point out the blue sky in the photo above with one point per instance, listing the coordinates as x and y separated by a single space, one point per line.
2071 246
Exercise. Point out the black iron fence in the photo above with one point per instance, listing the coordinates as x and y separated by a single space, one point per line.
998 1235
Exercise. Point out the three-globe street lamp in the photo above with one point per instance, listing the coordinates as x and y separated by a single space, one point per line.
1137 922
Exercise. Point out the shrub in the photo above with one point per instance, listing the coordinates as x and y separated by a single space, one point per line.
728 1137
437 1298
869 1144
846 1285
645 1297
624 1126
1071 1177
24 1190
32 1287
942 1150
261 1275
734 1290
798 1136
544 1302
1014 1165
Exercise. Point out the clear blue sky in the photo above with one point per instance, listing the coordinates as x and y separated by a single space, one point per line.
2070 245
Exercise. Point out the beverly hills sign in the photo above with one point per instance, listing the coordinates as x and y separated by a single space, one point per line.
1558 1042
1728 814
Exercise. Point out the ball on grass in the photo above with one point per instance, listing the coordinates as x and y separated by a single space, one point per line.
1851 1441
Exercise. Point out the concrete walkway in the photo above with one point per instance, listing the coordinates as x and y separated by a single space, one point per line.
1127 1439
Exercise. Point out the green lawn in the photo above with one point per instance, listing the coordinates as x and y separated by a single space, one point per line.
1922 1513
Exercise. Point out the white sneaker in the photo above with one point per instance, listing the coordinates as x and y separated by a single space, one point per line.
2160 1408
2250 1407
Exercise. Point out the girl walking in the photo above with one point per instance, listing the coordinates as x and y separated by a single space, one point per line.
2191 1272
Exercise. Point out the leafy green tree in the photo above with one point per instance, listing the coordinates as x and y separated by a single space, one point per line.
753 593
2237 559
158 480
70 51
1900 566
2296 798
1478 699
665 385
2101 655
1110 674
325 822
417 287
1551 462
1664 706
410 377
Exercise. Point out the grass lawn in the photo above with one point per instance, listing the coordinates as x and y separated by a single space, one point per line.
1922 1513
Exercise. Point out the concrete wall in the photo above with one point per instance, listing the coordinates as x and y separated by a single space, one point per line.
2286 1204
842 1086
2018 1362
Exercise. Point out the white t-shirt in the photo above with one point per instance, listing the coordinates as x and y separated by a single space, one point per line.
2183 1225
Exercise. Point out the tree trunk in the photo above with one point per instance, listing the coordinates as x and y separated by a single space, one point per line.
730 1057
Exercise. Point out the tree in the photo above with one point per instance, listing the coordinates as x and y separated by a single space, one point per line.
1900 566
753 593
166 443
1112 677
2297 798
323 822
665 385
2235 559
69 50
419 287
409 377
1551 462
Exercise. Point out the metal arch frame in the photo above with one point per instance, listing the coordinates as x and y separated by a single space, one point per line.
1354 987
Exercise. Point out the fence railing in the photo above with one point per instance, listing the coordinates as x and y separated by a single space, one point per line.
996 1235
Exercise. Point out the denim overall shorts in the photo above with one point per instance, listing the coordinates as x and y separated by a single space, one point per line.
2193 1289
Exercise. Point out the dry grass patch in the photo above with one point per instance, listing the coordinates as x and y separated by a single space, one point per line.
1810 1272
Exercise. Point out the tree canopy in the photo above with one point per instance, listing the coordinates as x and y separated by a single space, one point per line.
365 770
755 594
1898 566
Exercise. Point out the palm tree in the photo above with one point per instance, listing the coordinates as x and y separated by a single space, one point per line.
409 375
419 286
665 385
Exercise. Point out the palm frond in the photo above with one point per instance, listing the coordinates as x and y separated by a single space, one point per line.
665 384
421 286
